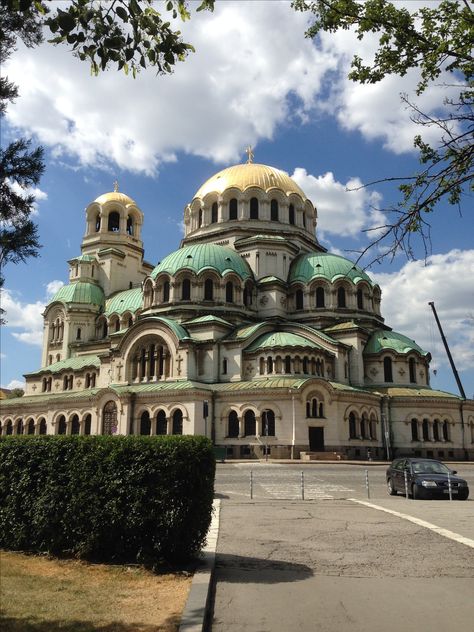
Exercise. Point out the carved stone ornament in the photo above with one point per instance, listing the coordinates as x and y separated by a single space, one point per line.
283 301
401 371
422 373
264 300
373 371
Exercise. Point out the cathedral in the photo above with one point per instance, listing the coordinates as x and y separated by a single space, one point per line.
251 333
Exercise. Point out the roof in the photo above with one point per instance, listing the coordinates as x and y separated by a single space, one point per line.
115 196
382 339
264 383
71 364
314 265
280 339
200 257
179 331
250 175
412 391
84 258
128 300
79 292
210 319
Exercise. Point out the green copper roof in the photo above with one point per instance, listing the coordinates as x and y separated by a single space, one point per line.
86 258
202 320
413 391
270 279
129 300
382 339
179 331
280 339
71 364
201 257
265 383
88 293
323 265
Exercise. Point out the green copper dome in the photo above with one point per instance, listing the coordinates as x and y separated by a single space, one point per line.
324 265
280 339
80 292
128 300
381 340
201 257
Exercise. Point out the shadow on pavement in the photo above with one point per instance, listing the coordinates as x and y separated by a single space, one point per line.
241 569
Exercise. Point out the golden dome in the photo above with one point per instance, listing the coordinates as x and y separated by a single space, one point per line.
115 196
250 175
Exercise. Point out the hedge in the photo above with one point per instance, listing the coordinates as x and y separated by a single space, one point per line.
100 498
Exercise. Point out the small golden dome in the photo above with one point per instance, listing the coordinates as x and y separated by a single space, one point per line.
250 175
115 196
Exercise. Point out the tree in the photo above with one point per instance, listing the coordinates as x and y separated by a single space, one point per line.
438 41
130 34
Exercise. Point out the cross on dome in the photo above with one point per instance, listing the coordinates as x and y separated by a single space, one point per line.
116 186
250 155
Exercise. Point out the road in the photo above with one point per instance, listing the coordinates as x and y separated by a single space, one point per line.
329 563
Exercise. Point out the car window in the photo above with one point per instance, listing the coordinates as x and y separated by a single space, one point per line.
429 467
399 464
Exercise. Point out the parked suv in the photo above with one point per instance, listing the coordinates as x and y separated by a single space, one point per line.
425 478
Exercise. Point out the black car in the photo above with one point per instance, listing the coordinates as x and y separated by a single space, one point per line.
425 478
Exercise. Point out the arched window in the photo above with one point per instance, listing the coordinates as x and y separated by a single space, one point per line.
268 423
426 430
233 209
363 427
109 422
224 366
248 295
314 407
262 366
166 291
97 223
178 422
200 218
269 364
9 428
412 370
414 430
387 370
352 426
105 329
305 365
31 427
274 210
341 297
445 430
320 299
360 299
233 425
372 429
254 208
114 222
145 423
308 409
75 425
161 423
299 299
87 424
62 427
250 429
214 213
208 290
130 225
291 214
78 333
321 409
117 325
287 364
229 292
436 430
186 290
42 426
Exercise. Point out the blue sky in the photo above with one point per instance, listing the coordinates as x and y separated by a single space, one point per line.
254 80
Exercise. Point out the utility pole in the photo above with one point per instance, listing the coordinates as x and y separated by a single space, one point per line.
450 357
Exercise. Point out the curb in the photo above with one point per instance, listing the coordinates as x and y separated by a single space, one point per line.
199 598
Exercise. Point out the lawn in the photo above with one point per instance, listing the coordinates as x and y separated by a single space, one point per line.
39 594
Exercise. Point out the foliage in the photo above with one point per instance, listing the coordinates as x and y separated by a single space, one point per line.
103 498
437 40
15 392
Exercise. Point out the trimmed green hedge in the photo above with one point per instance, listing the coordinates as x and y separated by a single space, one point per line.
140 499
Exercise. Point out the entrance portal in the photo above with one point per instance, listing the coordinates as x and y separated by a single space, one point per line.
316 439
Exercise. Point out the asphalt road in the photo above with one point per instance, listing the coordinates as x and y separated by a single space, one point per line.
329 563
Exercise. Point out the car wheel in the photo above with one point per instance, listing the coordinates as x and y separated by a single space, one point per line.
390 488
415 492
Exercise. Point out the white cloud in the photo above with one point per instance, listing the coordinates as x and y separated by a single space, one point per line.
52 287
24 316
23 192
446 280
343 209
15 384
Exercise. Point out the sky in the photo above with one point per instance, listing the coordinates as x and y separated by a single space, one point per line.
253 80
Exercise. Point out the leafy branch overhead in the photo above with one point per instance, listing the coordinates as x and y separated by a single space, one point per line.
129 33
437 40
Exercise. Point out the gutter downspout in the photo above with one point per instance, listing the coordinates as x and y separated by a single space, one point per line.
293 437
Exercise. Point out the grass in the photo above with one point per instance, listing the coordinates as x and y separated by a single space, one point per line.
39 594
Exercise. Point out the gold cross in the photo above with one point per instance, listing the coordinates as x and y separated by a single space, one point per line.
115 186
250 155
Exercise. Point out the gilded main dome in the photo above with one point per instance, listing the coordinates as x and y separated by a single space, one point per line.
250 175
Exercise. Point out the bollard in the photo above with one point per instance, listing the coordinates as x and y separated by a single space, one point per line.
406 483
367 483
251 485
450 489
302 485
